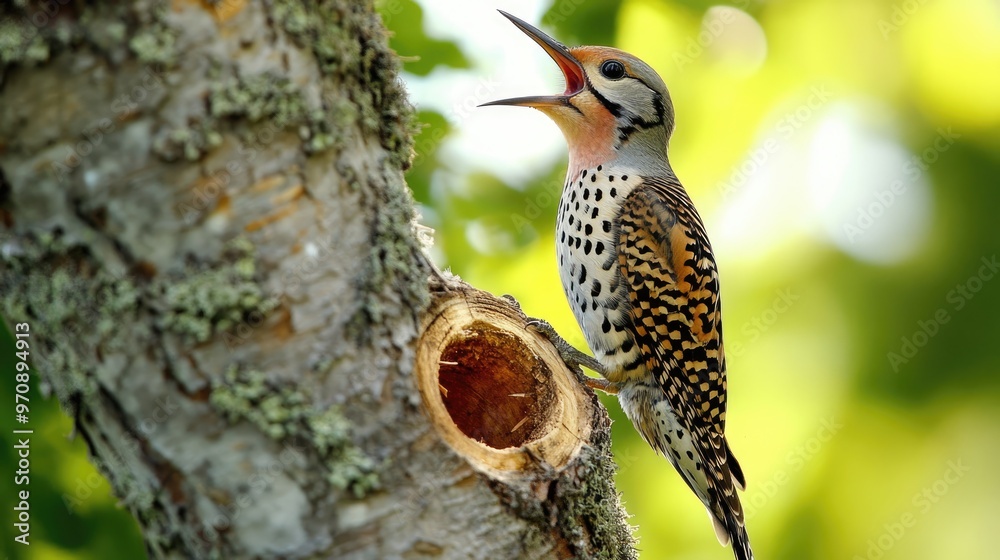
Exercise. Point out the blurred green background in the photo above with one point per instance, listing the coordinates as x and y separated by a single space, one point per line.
844 155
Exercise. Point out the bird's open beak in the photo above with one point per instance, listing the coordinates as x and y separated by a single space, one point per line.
570 66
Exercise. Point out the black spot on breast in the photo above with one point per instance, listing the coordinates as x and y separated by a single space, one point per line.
577 205
586 247
680 433
593 178
583 274
593 214
599 248
578 241
586 194
578 224
600 167
589 229
690 454
606 226
627 345
562 239
572 197
614 192
595 290
598 195
624 177
606 325
611 179
571 218
584 173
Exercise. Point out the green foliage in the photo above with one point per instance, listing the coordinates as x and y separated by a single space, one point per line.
72 507
584 22
421 54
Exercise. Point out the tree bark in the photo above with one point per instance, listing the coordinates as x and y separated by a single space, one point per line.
205 224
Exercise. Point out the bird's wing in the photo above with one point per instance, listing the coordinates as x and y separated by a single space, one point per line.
666 259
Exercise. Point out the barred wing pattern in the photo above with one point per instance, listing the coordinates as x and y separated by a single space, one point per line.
666 260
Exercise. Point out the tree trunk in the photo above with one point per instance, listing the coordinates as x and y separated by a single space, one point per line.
206 228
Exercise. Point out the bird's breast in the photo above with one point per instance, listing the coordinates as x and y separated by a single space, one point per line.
586 246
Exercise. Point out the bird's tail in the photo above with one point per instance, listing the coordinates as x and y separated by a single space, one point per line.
727 514
740 539
731 530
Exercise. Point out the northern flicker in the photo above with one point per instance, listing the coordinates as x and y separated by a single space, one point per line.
638 270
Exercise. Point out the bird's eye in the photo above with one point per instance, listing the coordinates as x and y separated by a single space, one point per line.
613 70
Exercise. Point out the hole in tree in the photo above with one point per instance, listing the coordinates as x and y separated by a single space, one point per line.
494 387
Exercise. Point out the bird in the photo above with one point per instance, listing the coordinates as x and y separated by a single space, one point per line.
638 270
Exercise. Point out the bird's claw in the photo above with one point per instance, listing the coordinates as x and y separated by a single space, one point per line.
574 359
511 300
541 326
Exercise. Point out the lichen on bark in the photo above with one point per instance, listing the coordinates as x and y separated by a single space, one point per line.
355 51
286 412
214 300
46 280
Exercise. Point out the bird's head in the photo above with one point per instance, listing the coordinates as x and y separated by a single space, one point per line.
615 107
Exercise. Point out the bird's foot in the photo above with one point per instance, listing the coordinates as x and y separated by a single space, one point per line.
601 384
574 358
510 299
